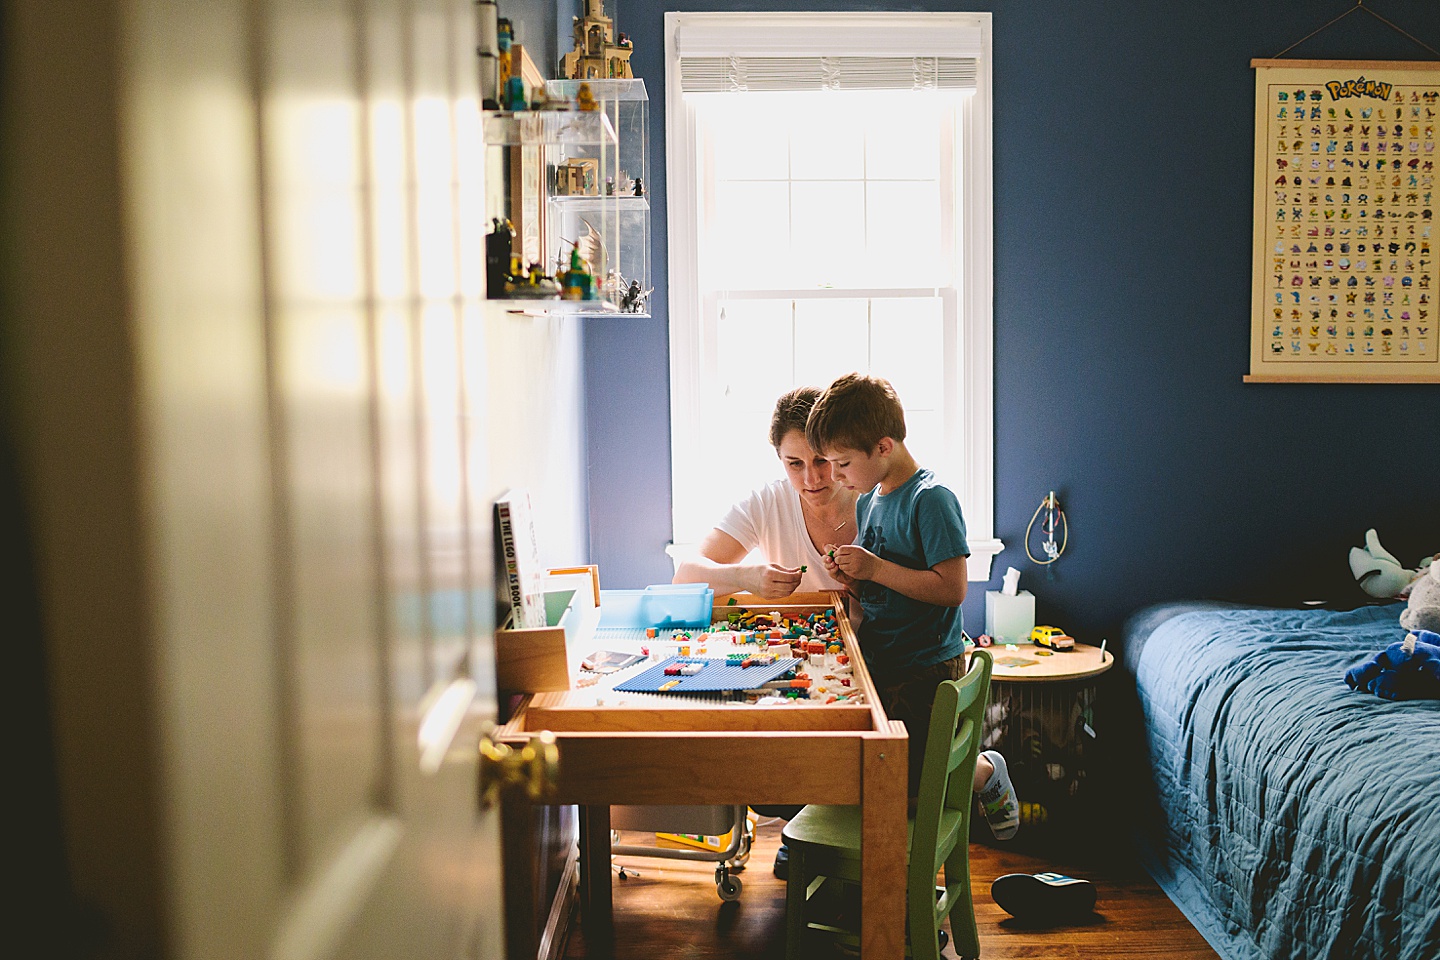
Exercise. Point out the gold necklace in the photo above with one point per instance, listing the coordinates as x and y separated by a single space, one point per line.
825 523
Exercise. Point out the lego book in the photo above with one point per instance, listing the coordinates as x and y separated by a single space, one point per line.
520 553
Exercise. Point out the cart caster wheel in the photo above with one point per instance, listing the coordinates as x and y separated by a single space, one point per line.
742 856
729 889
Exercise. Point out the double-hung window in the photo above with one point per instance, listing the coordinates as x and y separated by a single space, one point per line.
829 199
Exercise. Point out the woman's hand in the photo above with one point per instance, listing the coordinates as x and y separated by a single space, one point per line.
773 582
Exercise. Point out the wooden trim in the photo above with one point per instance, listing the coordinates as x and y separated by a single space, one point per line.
791 604
1348 64
709 768
528 71
860 673
1331 378
562 909
531 658
694 718
885 765
597 904
590 568
518 843
516 727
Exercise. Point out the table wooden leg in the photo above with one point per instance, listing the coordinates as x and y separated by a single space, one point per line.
882 848
597 907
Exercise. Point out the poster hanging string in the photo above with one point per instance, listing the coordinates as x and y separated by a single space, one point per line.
1359 5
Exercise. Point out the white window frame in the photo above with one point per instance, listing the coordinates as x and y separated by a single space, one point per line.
971 438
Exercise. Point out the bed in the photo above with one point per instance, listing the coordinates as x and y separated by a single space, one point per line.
1288 816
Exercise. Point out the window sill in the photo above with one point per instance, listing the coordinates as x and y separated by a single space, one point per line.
982 553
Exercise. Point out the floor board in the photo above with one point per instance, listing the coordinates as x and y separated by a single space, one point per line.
670 910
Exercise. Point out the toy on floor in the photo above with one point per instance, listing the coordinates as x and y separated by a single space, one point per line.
1408 669
1050 897
1380 574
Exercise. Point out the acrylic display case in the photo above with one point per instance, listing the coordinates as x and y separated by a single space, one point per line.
522 149
570 177
616 203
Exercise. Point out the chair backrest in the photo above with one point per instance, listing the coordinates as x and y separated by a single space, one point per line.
946 778
952 744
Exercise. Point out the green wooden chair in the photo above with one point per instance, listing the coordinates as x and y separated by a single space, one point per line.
824 841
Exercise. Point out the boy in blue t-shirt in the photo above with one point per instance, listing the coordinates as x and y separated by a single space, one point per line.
907 569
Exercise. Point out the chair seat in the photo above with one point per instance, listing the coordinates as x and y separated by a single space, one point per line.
834 827
837 829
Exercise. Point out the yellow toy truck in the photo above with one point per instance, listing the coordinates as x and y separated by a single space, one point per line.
1052 637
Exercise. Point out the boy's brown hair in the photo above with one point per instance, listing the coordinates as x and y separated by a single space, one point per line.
855 412
791 413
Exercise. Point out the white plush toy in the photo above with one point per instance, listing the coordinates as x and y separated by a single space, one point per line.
1423 610
1380 574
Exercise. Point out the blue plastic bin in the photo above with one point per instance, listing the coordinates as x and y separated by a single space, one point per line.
669 606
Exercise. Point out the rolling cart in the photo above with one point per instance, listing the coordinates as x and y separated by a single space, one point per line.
711 821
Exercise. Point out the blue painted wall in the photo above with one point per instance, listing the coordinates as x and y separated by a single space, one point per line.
1123 139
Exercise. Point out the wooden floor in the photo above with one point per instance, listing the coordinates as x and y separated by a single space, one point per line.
671 910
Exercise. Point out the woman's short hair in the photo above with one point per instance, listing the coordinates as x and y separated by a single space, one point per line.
791 412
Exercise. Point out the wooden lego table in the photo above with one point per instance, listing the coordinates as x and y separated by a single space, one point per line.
643 750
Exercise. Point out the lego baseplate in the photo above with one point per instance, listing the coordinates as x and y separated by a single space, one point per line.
715 676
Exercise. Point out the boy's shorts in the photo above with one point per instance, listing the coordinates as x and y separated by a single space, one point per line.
908 697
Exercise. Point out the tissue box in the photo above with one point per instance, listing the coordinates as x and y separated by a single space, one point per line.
669 606
1009 619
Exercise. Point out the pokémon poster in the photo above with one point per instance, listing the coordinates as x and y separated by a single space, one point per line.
1345 280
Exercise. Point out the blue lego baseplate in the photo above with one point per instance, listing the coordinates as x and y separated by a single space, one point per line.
716 676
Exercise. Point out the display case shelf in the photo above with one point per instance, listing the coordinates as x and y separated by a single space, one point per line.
505 128
601 204
554 307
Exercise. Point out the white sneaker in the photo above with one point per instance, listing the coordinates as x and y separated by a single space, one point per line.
997 799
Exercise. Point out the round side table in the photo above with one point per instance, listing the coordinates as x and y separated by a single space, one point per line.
1041 718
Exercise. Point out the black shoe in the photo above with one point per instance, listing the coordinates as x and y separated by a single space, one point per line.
782 862
1043 896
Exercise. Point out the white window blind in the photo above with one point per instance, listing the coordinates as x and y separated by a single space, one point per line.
774 74
780 52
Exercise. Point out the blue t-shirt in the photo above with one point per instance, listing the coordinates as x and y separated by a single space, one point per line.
917 525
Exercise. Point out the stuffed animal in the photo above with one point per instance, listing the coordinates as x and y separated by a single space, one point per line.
1380 574
1406 670
1422 611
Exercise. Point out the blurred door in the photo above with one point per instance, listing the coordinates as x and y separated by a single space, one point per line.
250 388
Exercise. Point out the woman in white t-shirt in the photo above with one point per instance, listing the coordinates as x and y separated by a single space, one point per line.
787 521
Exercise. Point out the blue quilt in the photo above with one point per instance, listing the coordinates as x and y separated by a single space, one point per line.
1298 818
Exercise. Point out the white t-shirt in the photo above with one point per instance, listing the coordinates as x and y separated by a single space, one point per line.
769 521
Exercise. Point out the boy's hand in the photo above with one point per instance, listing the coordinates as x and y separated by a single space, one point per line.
856 563
773 582
827 556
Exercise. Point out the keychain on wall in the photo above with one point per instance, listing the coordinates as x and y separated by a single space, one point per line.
1053 520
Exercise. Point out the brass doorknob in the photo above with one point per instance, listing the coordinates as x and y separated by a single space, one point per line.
533 767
